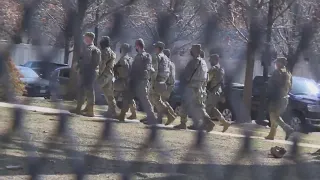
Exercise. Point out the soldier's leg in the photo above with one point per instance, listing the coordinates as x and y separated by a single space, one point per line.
183 119
133 110
274 115
80 100
127 99
221 119
109 95
89 91
141 92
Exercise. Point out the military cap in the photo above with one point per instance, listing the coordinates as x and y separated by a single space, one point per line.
159 44
105 41
125 47
140 42
90 34
167 52
281 60
202 53
196 49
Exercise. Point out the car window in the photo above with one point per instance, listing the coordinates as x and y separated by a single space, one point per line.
28 64
65 73
304 86
27 72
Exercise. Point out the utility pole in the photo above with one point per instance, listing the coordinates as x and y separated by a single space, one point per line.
96 29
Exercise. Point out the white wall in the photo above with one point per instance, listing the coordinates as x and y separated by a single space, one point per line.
22 53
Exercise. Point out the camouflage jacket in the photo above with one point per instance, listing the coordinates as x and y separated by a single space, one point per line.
215 78
89 60
141 67
123 67
161 66
196 73
279 84
107 62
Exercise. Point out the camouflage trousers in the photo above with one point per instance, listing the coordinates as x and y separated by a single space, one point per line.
213 98
160 102
132 104
275 111
106 83
139 90
86 91
194 107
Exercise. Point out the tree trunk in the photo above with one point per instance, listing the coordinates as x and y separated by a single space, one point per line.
248 77
66 50
77 35
266 60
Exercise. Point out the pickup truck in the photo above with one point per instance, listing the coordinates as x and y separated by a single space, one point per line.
303 107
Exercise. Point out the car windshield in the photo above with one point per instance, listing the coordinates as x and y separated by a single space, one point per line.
304 86
27 72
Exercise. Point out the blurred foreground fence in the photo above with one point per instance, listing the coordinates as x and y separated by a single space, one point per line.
80 161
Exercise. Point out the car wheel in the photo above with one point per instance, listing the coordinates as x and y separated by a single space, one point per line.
296 121
227 114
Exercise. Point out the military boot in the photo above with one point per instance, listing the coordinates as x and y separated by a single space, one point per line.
133 112
289 132
180 126
208 124
271 134
122 116
89 112
225 124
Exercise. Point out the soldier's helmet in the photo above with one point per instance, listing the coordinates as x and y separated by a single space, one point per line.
195 50
105 42
140 42
281 60
167 52
90 34
202 54
159 45
125 48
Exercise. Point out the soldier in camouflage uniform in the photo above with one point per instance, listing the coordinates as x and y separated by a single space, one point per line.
170 85
194 79
214 88
279 85
182 112
106 74
88 67
161 65
122 71
139 82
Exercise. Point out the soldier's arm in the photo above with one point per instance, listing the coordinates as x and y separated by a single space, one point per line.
110 64
147 65
96 58
162 67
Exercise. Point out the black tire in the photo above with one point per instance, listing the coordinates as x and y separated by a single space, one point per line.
296 121
227 112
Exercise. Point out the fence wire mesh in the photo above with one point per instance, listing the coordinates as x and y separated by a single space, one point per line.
82 162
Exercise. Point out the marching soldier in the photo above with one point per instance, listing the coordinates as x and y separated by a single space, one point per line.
279 85
214 88
158 83
122 71
194 77
88 67
170 84
182 112
106 74
139 80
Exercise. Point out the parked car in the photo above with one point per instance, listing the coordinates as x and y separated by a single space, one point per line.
34 85
43 68
60 78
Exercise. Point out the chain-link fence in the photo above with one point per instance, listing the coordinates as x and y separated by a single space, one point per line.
81 162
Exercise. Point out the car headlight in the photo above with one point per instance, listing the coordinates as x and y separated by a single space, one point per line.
313 108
